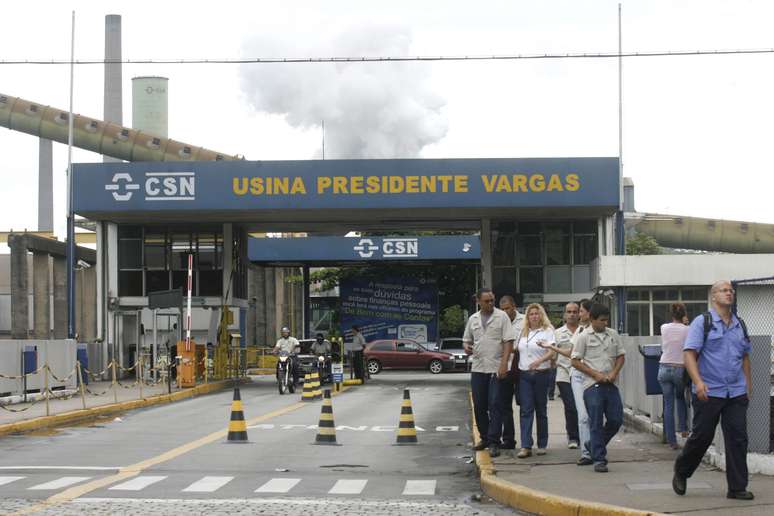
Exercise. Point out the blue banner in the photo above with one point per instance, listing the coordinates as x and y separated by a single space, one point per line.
228 187
357 249
390 308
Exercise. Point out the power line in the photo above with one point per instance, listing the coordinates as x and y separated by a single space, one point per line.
382 59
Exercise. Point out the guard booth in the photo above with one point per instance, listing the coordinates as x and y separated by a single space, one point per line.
540 221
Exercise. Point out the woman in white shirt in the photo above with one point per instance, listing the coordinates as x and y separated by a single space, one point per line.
534 369
670 373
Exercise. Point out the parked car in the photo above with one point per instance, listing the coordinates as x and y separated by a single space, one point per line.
405 354
307 362
453 346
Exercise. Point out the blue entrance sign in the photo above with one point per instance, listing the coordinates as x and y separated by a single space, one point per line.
228 187
344 249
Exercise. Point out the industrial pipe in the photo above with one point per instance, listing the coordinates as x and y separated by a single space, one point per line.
98 136
704 234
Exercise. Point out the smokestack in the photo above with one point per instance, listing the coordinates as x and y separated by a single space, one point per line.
45 185
113 97
150 112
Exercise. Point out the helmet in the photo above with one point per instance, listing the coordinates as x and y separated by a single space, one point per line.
285 329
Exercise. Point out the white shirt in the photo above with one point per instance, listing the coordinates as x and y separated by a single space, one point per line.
563 364
518 324
287 344
487 340
529 350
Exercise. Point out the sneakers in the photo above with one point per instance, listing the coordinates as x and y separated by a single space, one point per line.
584 461
524 453
482 445
572 445
600 467
678 484
541 451
494 451
740 495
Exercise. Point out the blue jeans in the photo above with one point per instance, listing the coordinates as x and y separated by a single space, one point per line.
533 402
671 380
505 390
486 406
576 380
603 403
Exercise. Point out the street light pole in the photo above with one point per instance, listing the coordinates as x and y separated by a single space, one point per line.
70 215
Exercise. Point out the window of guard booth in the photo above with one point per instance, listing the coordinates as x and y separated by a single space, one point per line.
656 303
130 274
638 319
557 243
504 281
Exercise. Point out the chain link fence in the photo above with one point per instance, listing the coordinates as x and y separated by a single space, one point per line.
755 304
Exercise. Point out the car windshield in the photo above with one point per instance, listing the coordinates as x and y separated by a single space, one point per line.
451 344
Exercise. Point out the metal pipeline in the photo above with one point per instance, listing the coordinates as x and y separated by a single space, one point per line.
704 234
98 136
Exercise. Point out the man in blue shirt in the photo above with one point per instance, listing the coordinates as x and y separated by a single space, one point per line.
720 370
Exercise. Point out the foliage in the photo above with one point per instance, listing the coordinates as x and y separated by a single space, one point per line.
640 244
452 322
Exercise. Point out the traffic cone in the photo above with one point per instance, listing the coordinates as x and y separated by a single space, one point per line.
317 392
407 434
326 428
308 394
237 428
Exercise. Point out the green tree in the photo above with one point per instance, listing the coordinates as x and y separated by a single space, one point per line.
452 321
641 243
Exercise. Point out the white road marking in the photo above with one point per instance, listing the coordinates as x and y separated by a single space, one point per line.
208 484
241 503
278 485
59 483
348 487
74 468
137 483
419 487
8 480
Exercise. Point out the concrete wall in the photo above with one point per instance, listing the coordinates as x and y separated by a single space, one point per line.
683 269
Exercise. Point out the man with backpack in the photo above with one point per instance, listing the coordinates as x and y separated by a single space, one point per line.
717 358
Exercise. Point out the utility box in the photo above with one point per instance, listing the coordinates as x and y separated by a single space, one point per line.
82 356
186 368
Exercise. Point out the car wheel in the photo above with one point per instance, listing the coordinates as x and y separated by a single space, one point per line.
374 366
436 366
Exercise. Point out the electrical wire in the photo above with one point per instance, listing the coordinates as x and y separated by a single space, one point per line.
391 59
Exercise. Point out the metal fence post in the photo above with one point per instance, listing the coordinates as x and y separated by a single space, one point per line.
80 379
138 372
113 385
45 382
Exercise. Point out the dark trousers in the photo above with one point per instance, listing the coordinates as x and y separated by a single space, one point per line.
570 412
505 391
551 383
533 396
732 414
486 406
603 403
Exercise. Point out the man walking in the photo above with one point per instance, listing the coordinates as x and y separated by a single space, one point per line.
599 354
721 391
488 337
563 349
506 388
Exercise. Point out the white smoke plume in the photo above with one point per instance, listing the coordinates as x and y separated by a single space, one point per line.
371 110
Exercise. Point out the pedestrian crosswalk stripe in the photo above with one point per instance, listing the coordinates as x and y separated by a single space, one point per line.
278 485
419 487
348 486
208 484
8 480
59 483
137 483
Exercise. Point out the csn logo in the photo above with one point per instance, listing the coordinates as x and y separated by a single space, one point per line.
390 248
159 186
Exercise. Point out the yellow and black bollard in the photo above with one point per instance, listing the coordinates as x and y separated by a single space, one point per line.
326 428
308 394
316 391
407 434
237 428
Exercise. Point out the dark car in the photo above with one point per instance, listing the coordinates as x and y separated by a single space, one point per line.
405 354
307 362
453 346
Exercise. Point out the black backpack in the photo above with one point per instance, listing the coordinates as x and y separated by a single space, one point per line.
708 326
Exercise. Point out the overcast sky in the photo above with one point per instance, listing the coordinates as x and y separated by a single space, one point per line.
697 130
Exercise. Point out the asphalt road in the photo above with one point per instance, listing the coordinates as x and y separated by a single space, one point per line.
176 460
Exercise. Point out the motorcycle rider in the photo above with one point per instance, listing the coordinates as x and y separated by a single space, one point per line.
291 346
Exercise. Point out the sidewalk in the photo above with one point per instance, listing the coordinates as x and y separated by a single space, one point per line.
640 478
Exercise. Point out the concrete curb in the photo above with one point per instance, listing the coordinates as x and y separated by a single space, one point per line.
78 415
538 502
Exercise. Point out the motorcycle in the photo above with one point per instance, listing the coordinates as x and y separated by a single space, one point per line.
323 368
285 381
